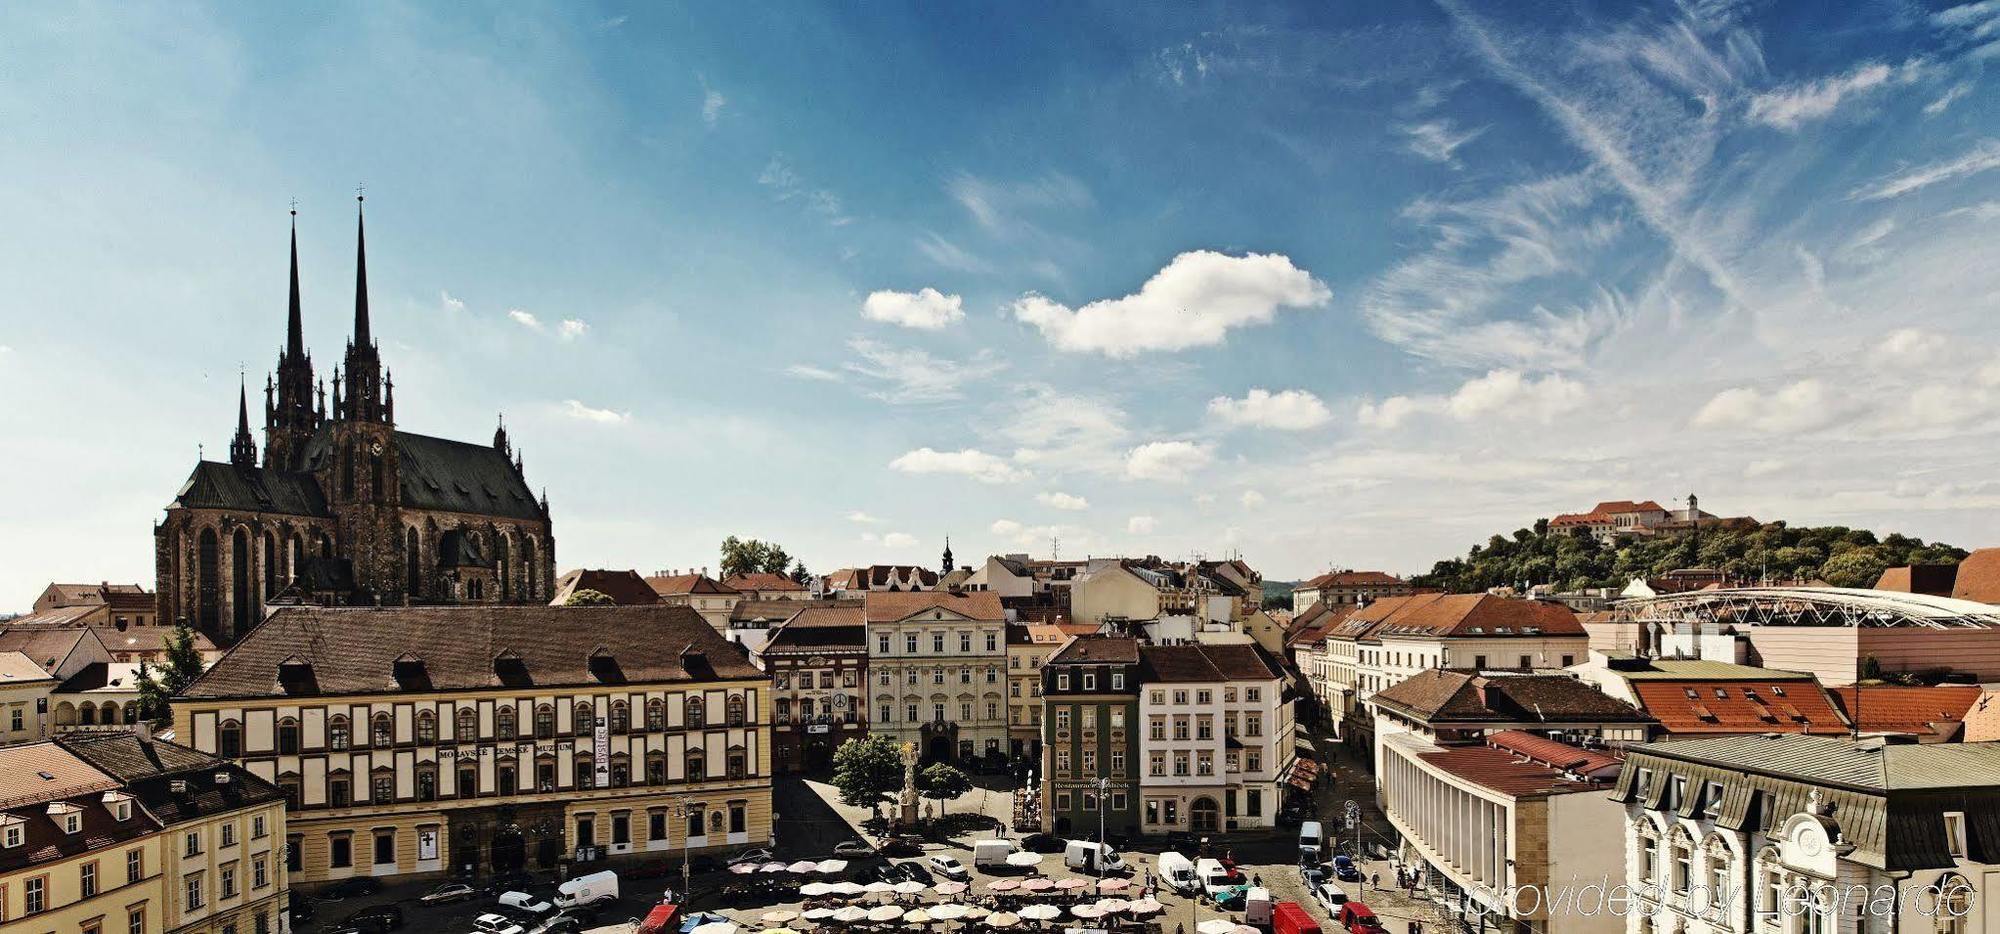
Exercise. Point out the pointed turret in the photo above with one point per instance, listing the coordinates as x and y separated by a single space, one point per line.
361 335
242 448
291 416
361 399
500 442
295 329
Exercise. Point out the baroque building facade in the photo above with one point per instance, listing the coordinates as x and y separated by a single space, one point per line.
343 508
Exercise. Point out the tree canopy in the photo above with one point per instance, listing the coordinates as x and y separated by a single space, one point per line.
158 685
1839 555
941 782
750 556
589 597
868 770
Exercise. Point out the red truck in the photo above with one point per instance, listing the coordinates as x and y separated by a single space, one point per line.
1358 918
1290 918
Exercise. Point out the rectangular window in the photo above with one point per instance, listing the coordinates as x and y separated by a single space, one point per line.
656 825
1118 682
1158 698
1255 801
1089 681
229 834
1253 760
1180 762
260 871
135 921
385 847
1156 763
1180 728
739 817
1204 763
1180 698
1090 762
227 882
191 896
621 829
1253 723
1062 801
882 644
1062 762
1157 728
1204 698
1253 695
1118 762
258 828
340 852
1204 727
1118 801
87 878
191 845
992 642
135 866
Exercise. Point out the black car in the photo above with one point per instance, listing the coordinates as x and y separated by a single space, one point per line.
1042 843
377 920
916 872
358 887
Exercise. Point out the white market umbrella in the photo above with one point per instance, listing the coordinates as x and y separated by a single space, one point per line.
882 913
878 887
1072 884
777 918
1003 885
1005 919
1112 906
908 887
818 914
1216 926
830 866
778 930
715 927
803 866
849 889
949 912
1024 859
918 916
951 888
743 869
1037 885
1146 906
816 889
1112 885
1087 911
773 867
1047 913
850 914
976 912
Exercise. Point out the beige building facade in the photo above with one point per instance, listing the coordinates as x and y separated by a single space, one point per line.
938 662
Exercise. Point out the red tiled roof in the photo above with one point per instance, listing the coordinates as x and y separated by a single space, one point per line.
1610 507
670 585
1979 577
1504 772
1899 708
1550 752
1351 579
890 606
1468 615
625 588
761 581
1741 706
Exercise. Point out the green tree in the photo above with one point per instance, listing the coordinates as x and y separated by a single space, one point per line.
942 782
158 686
800 575
589 597
750 556
1855 567
868 770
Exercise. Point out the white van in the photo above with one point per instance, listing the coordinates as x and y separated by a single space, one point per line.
522 901
1257 906
1213 877
1177 873
1091 856
991 853
1312 839
588 890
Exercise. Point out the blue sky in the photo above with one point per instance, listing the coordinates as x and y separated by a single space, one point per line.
1327 284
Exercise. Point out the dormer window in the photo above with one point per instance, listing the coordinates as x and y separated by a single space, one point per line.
13 834
119 804
67 816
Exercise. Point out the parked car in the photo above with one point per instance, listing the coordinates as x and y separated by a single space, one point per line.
950 868
1358 918
377 920
903 845
701 864
757 855
855 848
516 881
1329 896
1346 869
1042 843
523 902
491 923
915 872
357 887
447 893
1291 918
1313 874
1229 898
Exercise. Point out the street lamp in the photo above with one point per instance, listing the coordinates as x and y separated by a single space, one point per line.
1103 802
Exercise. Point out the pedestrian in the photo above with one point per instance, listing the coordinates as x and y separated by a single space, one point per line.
1256 880
1375 881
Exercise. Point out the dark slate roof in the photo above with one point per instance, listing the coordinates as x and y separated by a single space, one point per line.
46 646
251 489
1233 662
1865 763
817 627
453 476
150 768
1452 695
1097 650
355 650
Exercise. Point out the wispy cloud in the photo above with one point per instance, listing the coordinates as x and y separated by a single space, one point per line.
1437 140
525 319
950 255
1792 106
1501 394
449 304
969 462
788 186
1286 410
1982 157
1950 96
1064 501
1142 525
712 103
581 412
862 518
909 375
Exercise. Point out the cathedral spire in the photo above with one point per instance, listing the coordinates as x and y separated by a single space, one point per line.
361 336
295 331
242 449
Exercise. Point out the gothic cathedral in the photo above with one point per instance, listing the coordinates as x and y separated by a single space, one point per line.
344 510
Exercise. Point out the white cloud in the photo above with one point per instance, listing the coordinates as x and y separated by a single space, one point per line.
926 309
1287 410
1910 345
1063 501
906 375
571 329
1800 406
712 103
808 371
1949 97
1028 536
1251 499
950 255
969 462
1007 528
898 540
1980 158
525 319
1792 106
1193 302
787 185
579 411
448 303
862 518
1141 525
1171 461
1766 467
1499 395
1436 140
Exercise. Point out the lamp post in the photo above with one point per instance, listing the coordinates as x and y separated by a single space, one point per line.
1103 801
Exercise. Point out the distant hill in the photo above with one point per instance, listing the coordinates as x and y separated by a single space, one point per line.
1278 594
1839 555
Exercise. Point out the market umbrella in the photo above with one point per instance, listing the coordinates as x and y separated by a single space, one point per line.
849 889
1024 859
715 927
1072 884
850 914
881 913
949 912
908 887
1087 911
918 916
817 914
1037 885
1045 913
975 912
1003 885
879 887
1216 926
779 930
803 866
773 867
1146 906
1112 885
1247 929
743 869
830 866
777 918
951 888
817 889
1004 919
1112 906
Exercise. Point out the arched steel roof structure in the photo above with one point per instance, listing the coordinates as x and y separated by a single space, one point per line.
1809 606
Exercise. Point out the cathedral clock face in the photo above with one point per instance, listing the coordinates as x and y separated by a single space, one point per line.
375 448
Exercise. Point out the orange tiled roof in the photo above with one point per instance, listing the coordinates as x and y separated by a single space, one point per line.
1900 708
886 606
668 585
1793 705
762 581
1979 577
1467 615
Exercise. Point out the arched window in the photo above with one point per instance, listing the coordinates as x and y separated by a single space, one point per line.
503 554
338 735
427 781
695 717
414 560
621 770
503 721
427 727
583 719
465 727
621 717
735 707
131 712
806 709
288 736
375 484
271 563
656 768
656 714
228 739
528 589
697 766
545 721
88 715
382 730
